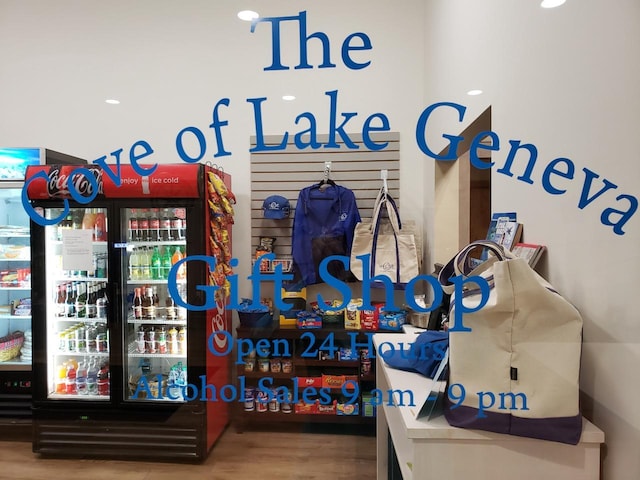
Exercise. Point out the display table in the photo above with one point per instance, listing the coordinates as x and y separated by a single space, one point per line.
432 449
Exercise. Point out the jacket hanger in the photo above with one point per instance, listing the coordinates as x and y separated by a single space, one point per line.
326 181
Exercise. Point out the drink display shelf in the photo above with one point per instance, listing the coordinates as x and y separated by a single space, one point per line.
147 281
81 319
63 353
15 317
134 353
77 396
156 321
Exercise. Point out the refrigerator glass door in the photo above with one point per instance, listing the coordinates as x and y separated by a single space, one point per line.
155 327
77 313
15 283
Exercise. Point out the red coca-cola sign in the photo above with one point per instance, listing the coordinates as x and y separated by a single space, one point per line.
57 181
218 325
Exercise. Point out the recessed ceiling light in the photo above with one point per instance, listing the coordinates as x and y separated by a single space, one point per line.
288 98
112 101
474 92
551 3
248 15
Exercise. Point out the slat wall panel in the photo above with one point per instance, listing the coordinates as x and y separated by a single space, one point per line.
285 172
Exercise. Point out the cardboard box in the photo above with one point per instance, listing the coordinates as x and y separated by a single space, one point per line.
305 408
309 382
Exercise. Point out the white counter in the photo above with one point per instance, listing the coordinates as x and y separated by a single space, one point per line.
433 449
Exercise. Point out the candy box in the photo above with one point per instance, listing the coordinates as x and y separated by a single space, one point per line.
328 409
305 408
344 409
392 320
369 319
309 382
307 320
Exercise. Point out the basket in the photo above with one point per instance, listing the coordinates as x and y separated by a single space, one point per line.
152 382
10 345
255 319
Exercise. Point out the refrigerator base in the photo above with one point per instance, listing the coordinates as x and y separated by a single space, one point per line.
62 435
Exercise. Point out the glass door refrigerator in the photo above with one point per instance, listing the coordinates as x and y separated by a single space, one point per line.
122 364
16 340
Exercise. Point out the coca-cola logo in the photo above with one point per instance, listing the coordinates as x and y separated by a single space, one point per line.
61 177
220 341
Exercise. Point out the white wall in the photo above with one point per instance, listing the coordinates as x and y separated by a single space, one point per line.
170 62
565 80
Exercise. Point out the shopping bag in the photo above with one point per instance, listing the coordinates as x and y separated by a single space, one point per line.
517 370
389 247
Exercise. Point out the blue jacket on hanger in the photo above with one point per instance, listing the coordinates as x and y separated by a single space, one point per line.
323 224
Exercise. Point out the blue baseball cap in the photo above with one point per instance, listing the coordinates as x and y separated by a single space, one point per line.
276 207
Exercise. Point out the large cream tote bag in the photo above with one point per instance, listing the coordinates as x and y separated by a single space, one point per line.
517 370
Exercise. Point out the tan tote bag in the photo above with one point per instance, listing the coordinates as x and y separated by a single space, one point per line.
393 246
517 371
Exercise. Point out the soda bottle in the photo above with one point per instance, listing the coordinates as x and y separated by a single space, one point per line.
182 269
162 340
137 304
165 225
148 307
71 379
154 226
103 379
133 226
102 303
92 378
88 221
143 225
145 264
81 300
61 308
156 264
70 301
81 379
176 226
171 312
165 262
61 379
100 226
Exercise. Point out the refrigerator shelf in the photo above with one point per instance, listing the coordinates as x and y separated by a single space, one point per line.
15 317
81 319
148 281
7 259
156 321
158 243
133 353
27 287
60 353
76 397
94 243
80 279
14 365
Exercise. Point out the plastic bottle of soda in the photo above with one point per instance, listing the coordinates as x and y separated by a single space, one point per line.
103 379
71 379
92 378
100 226
143 226
154 226
81 379
156 264
134 233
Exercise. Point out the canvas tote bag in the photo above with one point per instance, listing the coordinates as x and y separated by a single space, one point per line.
393 246
517 370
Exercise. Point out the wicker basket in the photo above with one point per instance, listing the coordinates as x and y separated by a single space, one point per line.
10 346
152 382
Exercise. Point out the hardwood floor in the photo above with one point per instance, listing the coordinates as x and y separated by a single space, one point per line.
296 455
